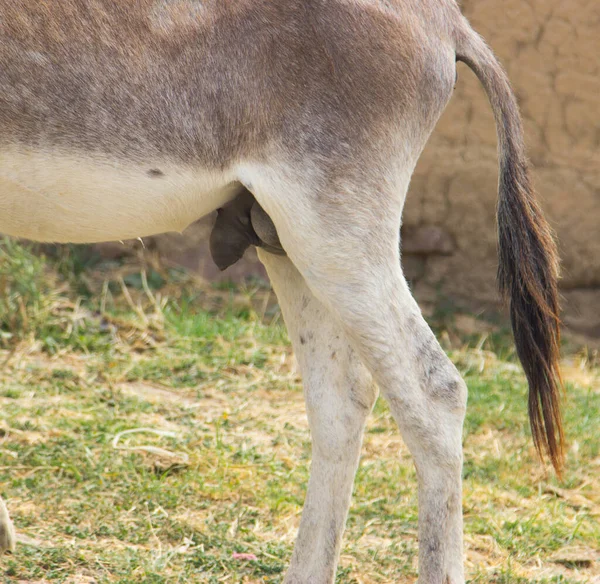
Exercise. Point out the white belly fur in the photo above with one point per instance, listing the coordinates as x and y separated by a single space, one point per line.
80 199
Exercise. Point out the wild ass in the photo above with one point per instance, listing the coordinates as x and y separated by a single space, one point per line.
126 118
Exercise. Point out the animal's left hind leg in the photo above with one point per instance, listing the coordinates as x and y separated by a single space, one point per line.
7 531
339 394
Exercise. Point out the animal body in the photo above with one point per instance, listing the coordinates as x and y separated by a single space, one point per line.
126 118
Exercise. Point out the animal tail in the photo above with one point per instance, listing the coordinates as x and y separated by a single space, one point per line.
528 260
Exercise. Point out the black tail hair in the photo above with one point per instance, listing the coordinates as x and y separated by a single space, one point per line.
528 260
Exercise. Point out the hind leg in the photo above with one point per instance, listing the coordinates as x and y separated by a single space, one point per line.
339 394
343 238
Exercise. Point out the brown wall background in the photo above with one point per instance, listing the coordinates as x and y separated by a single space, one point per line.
551 50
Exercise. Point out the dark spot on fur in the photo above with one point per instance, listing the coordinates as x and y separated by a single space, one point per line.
357 399
439 376
432 547
302 340
155 173
333 355
450 387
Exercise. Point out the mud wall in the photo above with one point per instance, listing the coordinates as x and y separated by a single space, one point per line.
550 49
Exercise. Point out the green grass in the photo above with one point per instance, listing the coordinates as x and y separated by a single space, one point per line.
212 368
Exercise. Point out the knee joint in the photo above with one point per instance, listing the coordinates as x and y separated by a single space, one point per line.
440 378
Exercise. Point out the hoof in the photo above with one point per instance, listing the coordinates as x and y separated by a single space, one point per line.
8 538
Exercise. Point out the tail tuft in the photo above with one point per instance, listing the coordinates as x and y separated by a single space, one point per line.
527 278
528 260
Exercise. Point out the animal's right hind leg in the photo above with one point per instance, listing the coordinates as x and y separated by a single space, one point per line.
8 538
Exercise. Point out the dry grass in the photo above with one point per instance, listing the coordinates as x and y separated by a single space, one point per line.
213 373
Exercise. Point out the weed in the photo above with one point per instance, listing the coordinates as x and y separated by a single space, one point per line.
213 371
